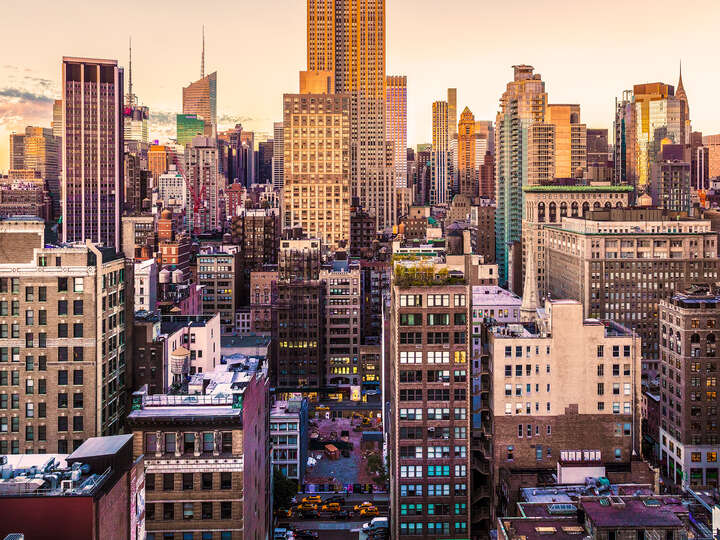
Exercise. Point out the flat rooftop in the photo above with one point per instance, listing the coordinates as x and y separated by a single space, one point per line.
647 512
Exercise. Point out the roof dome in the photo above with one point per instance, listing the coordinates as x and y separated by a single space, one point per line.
166 214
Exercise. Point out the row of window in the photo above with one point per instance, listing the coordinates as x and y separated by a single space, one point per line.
432 509
63 423
188 481
169 442
432 338
433 300
432 452
433 490
13 447
188 511
433 394
433 319
434 432
433 357
14 399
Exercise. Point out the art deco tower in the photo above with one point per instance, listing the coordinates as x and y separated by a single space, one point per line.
347 39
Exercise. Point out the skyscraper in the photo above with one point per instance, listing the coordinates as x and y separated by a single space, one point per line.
278 167
648 117
440 147
522 104
452 112
396 125
347 39
316 191
200 98
187 127
467 167
38 149
570 140
92 192
201 168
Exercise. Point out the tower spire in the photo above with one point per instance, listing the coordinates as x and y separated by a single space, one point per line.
130 96
202 59
528 309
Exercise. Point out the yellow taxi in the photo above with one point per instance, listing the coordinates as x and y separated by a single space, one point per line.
366 504
312 499
370 511
331 507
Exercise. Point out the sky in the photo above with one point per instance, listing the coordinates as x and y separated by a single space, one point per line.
587 53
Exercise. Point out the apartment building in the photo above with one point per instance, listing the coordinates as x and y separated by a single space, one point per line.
342 325
561 383
263 296
430 395
289 437
219 273
688 429
65 320
621 262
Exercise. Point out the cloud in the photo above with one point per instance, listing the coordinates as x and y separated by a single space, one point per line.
25 95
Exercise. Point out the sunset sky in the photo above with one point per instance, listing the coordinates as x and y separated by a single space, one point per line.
587 53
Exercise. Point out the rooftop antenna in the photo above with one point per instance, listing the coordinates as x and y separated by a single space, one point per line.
202 60
130 96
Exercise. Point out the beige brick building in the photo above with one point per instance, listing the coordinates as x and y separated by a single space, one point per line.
65 315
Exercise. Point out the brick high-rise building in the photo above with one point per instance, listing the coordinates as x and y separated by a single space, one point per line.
207 459
65 319
689 323
561 384
92 178
621 262
220 273
439 187
257 232
430 477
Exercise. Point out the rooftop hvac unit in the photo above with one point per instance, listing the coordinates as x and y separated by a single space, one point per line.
66 485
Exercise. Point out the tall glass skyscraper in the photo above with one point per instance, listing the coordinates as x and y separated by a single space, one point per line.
189 126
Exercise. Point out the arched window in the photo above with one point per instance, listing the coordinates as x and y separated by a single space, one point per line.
553 212
563 209
618 204
608 204
586 208
711 338
596 205
541 212
695 338
574 209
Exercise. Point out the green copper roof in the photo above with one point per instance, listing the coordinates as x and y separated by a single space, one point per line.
586 189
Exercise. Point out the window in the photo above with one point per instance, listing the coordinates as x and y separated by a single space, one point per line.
188 510
62 401
77 423
170 443
78 400
225 509
29 294
78 330
225 480
29 433
149 507
62 330
77 307
207 481
42 294
78 376
62 377
62 423
62 307
187 481
150 481
168 511
62 284
168 481
78 284
206 511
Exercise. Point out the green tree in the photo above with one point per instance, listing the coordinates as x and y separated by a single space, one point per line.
284 489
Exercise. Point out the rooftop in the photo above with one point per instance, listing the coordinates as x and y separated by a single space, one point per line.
614 512
581 189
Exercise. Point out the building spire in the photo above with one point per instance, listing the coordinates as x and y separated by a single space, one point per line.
528 309
680 88
130 97
202 59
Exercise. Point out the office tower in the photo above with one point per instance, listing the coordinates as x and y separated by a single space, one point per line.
560 383
39 149
646 118
207 456
621 262
487 178
701 168
548 205
670 179
92 178
316 192
521 105
467 167
200 97
278 159
159 159
204 184
688 387
57 122
257 232
264 162
570 141
396 125
342 325
430 398
440 153
346 39
63 319
187 127
599 165
246 150
713 144
452 112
